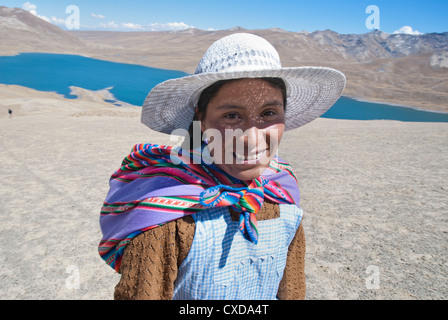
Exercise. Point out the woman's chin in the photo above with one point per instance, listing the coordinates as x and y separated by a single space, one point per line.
244 171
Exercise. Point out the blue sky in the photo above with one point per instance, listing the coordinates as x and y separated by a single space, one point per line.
343 16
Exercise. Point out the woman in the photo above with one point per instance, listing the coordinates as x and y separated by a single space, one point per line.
219 219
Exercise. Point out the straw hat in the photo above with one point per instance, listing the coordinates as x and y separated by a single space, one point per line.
310 90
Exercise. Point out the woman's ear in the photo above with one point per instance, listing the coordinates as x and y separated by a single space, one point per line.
196 113
198 116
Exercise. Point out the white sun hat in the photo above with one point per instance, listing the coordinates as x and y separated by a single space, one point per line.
311 91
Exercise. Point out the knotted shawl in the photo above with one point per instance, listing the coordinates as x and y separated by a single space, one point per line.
157 184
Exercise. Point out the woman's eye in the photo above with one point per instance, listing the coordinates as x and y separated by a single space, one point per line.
232 116
268 113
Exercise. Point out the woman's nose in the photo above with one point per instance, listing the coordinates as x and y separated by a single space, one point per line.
254 139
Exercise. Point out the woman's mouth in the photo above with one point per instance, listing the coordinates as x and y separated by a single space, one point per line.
250 158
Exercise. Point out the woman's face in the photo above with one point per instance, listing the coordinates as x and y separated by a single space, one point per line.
246 119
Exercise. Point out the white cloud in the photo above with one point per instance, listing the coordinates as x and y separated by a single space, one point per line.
407 30
98 16
109 25
112 25
29 6
130 26
170 26
32 8
58 21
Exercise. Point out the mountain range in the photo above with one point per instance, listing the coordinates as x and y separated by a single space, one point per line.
400 69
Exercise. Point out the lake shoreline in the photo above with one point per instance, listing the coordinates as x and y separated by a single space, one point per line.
354 97
361 99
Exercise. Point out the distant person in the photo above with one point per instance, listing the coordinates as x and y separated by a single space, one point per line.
215 221
10 113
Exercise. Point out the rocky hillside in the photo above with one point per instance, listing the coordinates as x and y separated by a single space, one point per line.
294 47
380 45
20 31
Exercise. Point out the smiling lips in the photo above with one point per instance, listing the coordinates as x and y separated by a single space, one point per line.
254 158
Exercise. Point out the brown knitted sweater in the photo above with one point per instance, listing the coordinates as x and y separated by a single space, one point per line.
151 260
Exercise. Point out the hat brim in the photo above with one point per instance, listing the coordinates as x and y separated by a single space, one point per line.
311 91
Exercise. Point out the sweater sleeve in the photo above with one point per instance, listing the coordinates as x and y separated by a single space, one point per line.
292 286
151 260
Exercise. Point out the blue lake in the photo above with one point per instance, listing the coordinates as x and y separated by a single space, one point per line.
56 72
131 83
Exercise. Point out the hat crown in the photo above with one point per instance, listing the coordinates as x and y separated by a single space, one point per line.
239 52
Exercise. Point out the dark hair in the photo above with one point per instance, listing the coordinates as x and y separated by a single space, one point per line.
211 91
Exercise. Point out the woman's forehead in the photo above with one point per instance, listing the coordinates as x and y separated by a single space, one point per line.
248 90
